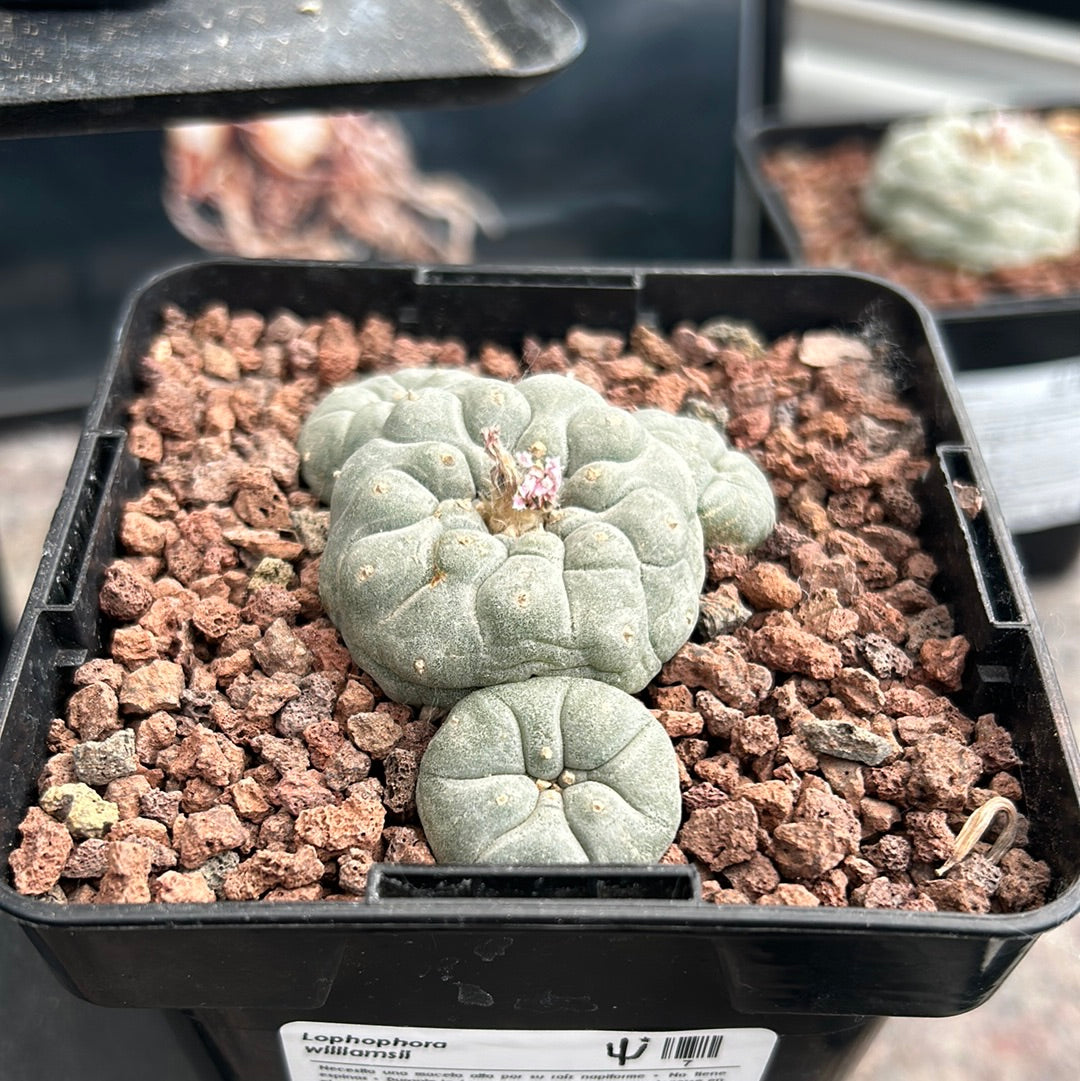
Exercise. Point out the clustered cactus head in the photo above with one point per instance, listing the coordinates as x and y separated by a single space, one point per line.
484 533
526 554
982 192
552 770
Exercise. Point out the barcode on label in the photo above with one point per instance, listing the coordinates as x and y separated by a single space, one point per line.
706 1045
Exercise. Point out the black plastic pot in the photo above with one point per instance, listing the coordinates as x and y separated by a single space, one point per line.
615 952
774 236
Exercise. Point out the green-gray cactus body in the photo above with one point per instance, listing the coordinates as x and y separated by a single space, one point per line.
433 603
980 192
552 770
353 414
735 502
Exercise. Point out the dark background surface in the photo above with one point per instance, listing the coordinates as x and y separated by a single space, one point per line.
80 225
624 156
1061 9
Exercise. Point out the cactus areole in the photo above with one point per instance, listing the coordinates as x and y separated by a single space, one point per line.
484 532
981 192
552 770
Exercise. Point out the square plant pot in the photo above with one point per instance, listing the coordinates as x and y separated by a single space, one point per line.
798 173
622 958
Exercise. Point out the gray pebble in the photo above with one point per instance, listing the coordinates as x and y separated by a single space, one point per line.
311 528
721 613
97 762
842 739
216 868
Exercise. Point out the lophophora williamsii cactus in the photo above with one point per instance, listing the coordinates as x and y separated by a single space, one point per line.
552 770
982 192
528 554
484 533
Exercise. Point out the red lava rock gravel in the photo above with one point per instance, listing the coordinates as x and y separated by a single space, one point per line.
227 749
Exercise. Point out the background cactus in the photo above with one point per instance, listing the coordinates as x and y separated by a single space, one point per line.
552 770
981 192
436 591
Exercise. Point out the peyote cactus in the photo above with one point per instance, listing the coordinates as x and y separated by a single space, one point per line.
552 770
484 533
980 192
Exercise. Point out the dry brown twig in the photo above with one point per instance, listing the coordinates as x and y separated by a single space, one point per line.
977 824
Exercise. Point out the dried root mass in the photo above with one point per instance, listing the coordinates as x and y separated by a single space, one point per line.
317 186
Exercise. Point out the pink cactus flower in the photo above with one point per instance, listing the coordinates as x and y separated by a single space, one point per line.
539 488
524 487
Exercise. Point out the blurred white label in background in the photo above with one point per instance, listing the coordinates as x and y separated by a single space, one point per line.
1027 423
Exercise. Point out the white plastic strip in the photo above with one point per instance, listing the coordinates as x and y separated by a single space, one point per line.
316 1051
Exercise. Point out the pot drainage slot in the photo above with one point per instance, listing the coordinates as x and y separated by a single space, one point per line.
95 464
977 521
649 883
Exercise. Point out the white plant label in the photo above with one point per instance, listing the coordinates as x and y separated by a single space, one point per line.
315 1051
1025 419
